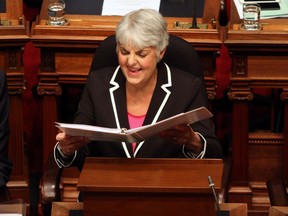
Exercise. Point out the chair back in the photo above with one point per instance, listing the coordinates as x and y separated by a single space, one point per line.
179 54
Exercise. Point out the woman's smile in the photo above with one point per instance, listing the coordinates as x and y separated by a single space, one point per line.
134 71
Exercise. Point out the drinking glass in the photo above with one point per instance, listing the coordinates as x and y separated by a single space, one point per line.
251 17
56 11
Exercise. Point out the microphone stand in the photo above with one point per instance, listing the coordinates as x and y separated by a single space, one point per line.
223 16
194 20
211 185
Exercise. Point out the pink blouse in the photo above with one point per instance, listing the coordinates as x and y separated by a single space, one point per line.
134 122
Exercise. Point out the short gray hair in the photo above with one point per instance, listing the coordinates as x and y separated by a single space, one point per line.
143 28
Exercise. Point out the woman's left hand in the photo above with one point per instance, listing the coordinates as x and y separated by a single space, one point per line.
184 135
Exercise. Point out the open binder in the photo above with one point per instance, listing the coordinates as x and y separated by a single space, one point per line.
136 134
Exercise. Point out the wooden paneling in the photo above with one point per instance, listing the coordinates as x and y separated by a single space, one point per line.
13 36
259 61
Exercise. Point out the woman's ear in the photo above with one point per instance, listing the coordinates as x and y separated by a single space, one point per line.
161 54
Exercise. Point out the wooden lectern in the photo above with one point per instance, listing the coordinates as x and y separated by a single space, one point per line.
113 186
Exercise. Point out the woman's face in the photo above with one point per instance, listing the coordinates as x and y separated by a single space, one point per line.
138 65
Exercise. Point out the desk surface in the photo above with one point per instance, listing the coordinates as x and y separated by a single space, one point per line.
62 208
278 211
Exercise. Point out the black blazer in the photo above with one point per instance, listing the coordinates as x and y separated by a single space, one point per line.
103 103
5 163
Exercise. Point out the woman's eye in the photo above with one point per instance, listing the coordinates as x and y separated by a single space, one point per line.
142 55
124 53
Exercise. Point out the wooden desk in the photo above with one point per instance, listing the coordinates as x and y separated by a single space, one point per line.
14 207
151 186
259 60
13 36
278 211
233 209
62 208
67 51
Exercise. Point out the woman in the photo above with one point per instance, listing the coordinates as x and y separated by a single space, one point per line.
140 91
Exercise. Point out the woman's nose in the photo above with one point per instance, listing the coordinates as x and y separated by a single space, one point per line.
131 60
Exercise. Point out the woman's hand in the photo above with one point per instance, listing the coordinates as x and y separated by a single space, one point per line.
69 144
184 135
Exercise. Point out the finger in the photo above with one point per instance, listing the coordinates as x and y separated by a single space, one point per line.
181 127
71 147
76 139
60 136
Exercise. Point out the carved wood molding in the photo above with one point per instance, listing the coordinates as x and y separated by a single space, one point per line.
209 68
239 66
13 59
240 88
49 89
284 94
210 89
208 64
47 60
211 94
266 139
15 83
48 79
240 94
16 89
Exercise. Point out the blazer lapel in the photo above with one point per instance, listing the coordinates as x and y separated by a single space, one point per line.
161 94
118 100
158 101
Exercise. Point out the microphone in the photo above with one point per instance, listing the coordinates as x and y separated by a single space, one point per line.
211 185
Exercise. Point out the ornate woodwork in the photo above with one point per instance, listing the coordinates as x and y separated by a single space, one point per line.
13 36
259 61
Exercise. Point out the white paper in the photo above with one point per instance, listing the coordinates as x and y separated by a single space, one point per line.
122 7
266 14
10 214
135 134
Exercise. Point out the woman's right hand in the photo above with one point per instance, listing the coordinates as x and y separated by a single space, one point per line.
69 144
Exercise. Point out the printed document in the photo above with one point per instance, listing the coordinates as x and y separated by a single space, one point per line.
136 134
122 7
